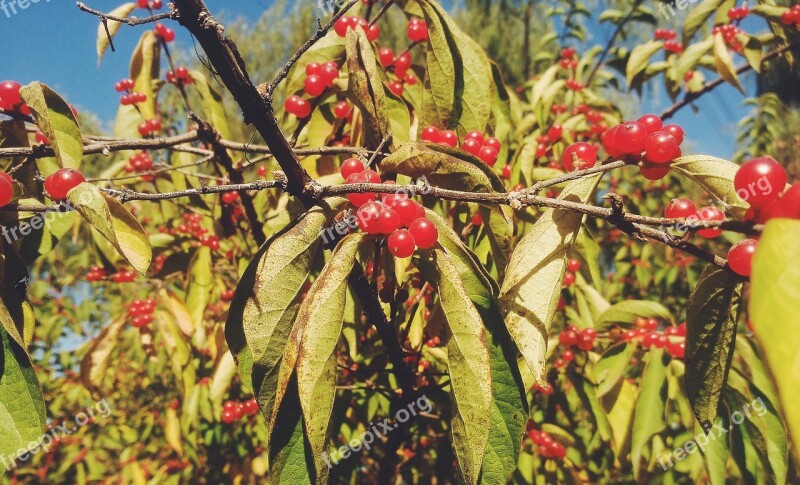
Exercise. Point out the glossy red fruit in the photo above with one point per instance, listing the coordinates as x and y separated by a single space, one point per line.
329 74
343 24
554 133
388 220
368 217
359 199
143 3
579 156
660 147
676 348
760 181
417 30
9 93
654 172
573 265
710 213
396 87
229 197
407 210
676 132
680 208
401 64
471 145
424 233
610 143
373 32
314 85
488 155
585 342
401 243
431 134
61 182
341 109
651 123
569 278
6 189
740 256
506 174
449 137
474 135
250 407
568 338
350 167
493 142
631 137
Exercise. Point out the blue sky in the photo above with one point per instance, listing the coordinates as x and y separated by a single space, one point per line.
56 45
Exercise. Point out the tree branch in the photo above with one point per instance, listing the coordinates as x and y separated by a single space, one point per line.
133 21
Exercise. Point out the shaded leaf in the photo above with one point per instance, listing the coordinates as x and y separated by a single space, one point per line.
56 120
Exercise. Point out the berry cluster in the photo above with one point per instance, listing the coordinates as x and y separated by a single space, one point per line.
233 411
140 162
297 106
146 4
346 23
58 184
95 273
792 16
229 198
141 312
681 208
417 30
210 241
568 59
738 13
319 77
179 77
546 446
10 99
646 335
646 138
573 337
164 33
487 148
150 127
728 33
665 34
124 276
573 266
673 46
227 295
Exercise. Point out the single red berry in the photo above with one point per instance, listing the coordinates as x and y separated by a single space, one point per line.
229 197
585 342
592 333
676 349
342 25
676 132
314 85
680 208
181 72
431 134
9 93
740 256
471 145
710 213
554 133
351 166
143 3
250 407
41 139
424 233
341 109
568 355
401 64
368 217
506 172
388 220
651 123
417 30
573 265
488 155
228 417
449 138
631 137
401 243
58 184
474 135
6 189
760 181
396 87
568 338
407 210
154 124
493 142
373 32
654 172
477 219
660 147
579 156
360 178
386 56
569 278
329 74
610 143
227 295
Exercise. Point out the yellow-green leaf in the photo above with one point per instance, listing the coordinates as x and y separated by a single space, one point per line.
724 63
103 40
55 119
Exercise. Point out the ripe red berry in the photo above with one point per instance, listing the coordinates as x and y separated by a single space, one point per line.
488 155
417 30
568 338
760 181
329 74
710 213
610 143
654 172
314 85
676 348
651 123
229 197
631 137
227 295
554 133
448 137
493 142
6 189
250 407
740 256
431 134
660 147
401 64
9 93
58 184
585 341
506 172
680 208
297 106
359 178
424 233
368 217
143 3
343 24
569 278
573 265
474 135
471 145
579 156
401 243
351 166
341 109
676 132
396 87
386 56
388 220
407 210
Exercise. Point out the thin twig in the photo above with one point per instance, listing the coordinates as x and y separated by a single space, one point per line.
133 21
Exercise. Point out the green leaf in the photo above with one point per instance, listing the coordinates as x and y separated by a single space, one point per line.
212 103
774 300
610 369
724 63
22 411
95 361
103 37
114 222
626 312
200 286
716 454
753 50
145 64
469 367
648 415
711 320
322 317
698 16
55 119
689 59
532 285
262 313
715 176
290 456
458 74
366 88
640 58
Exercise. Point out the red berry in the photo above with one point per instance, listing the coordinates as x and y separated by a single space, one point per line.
676 349
373 32
227 295
579 156
610 143
554 133
488 155
573 265
568 338
396 87
424 233
228 417
61 182
431 134
474 135
660 148
329 74
417 30
631 137
471 145
368 217
410 79
740 256
351 166
343 24
401 64
585 342
493 142
386 56
229 197
569 278
143 3
680 208
341 109
9 93
6 189
181 72
359 178
401 243
388 220
760 181
507 172
654 172
710 213
448 137
314 85
407 210
676 132
651 123
250 407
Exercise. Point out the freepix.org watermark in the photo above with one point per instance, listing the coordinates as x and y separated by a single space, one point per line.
701 440
55 434
377 430
11 7
38 221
